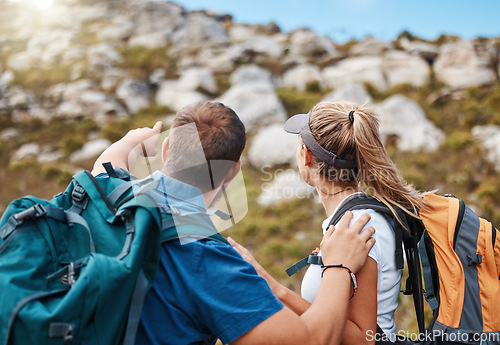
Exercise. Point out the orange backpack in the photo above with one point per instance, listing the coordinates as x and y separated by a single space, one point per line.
458 255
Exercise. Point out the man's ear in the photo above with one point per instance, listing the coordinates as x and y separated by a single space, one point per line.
164 149
233 171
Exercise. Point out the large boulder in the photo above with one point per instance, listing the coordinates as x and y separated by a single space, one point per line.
301 77
272 147
73 55
404 119
252 43
111 78
286 186
489 136
363 69
26 151
102 57
50 45
191 87
68 91
249 74
355 93
465 64
80 99
169 95
369 46
134 94
153 22
5 79
252 96
19 98
43 49
90 150
402 68
23 105
199 29
22 61
119 28
219 61
305 42
198 79
427 51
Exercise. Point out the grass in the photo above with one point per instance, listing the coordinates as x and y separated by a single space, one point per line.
140 62
145 117
39 79
270 233
296 102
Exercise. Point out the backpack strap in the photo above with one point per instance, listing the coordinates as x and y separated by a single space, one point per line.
430 293
312 259
38 211
134 315
363 201
34 212
407 237
357 202
414 280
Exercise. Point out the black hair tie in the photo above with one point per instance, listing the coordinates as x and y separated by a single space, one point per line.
351 116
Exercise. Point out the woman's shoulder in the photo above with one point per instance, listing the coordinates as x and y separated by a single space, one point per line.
383 229
375 217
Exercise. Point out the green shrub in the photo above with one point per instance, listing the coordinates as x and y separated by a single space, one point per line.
145 117
39 79
222 82
140 61
28 177
72 143
296 102
458 140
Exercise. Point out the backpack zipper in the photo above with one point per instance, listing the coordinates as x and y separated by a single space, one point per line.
460 218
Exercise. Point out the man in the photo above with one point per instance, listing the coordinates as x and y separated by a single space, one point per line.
204 289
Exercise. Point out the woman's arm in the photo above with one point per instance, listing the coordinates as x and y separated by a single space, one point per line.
363 307
324 321
124 152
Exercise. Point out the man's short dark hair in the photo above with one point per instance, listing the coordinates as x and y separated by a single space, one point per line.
222 136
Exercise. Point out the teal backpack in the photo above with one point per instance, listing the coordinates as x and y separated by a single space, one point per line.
76 269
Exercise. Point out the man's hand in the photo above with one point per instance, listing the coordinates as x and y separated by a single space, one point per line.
245 254
347 246
124 152
143 140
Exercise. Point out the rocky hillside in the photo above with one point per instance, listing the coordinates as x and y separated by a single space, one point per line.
76 77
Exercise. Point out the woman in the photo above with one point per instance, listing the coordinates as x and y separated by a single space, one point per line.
340 153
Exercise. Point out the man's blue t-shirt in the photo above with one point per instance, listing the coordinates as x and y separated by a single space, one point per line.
203 288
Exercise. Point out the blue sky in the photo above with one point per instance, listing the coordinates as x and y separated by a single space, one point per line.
343 20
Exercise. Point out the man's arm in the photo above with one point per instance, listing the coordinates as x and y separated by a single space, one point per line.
289 298
324 321
124 152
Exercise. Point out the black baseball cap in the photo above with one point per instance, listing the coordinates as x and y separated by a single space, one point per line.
299 124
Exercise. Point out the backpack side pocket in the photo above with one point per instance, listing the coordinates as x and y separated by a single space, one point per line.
496 248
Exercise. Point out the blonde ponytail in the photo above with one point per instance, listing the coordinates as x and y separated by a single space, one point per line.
356 135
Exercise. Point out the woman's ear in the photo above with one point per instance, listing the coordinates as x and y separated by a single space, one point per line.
164 149
307 156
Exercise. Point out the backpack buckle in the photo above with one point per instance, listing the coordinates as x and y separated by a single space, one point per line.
35 211
78 193
70 277
62 330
